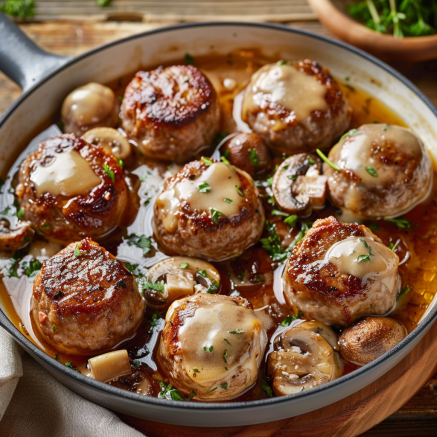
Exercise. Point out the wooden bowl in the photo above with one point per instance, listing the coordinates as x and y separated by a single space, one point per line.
333 14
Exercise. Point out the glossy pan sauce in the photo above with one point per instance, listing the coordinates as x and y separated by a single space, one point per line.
252 274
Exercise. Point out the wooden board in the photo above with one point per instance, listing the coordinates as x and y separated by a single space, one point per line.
418 416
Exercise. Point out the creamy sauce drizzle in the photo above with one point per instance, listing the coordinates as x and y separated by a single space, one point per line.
209 327
287 86
221 179
68 174
364 258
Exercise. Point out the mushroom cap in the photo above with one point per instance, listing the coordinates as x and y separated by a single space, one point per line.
109 139
299 186
305 358
369 338
17 237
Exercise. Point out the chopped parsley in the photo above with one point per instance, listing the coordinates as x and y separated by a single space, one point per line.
227 341
348 134
272 244
371 171
78 251
46 225
193 393
225 354
204 187
206 161
33 268
211 348
54 328
293 177
311 161
374 227
239 190
20 214
281 62
213 288
225 160
287 321
184 265
253 158
236 331
121 284
156 286
266 388
366 258
230 201
401 223
140 241
362 258
153 321
202 273
170 393
291 221
189 59
120 163
325 158
196 370
215 214
277 212
224 386
109 173
305 226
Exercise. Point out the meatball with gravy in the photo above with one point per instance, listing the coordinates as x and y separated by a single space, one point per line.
296 107
90 106
71 189
384 172
173 113
208 210
85 301
340 272
212 345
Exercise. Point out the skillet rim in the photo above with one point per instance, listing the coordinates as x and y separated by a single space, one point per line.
96 386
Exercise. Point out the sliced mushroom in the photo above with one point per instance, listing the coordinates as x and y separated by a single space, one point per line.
181 276
89 106
298 184
369 338
14 239
110 139
305 358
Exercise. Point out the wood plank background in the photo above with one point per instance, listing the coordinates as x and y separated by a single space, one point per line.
418 417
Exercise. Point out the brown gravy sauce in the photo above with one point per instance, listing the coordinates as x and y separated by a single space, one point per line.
251 274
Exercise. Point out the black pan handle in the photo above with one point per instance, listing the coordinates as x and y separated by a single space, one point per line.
21 59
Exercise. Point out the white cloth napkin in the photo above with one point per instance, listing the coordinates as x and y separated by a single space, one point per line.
34 404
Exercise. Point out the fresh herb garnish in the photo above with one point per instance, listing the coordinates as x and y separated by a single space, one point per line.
230 201
206 161
365 258
215 215
156 286
401 223
305 226
287 321
184 265
371 171
120 163
202 273
211 348
311 161
33 268
153 321
325 158
225 160
54 328
272 244
404 290
18 8
266 388
78 251
140 241
204 187
374 227
239 190
193 393
20 214
224 386
277 212
170 393
227 341
236 331
219 138
189 59
225 354
213 288
253 158
362 258
121 283
348 134
281 62
291 221
293 177
103 3
109 173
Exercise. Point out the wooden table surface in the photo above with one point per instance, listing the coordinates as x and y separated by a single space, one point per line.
418 417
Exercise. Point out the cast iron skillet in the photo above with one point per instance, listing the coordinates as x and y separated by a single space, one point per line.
32 68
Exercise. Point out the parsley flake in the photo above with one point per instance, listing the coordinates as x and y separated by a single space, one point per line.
189 59
287 321
202 273
230 201
401 223
253 158
140 241
204 187
225 354
281 62
109 173
215 214
224 386
266 388
277 212
371 171
404 291
291 221
156 286
207 161
236 331
184 265
325 158
239 190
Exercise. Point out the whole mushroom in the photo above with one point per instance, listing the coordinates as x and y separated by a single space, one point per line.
369 338
179 277
305 358
298 185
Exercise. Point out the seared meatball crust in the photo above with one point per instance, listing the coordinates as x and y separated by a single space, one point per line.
238 375
69 218
402 171
317 287
197 234
284 132
85 301
173 113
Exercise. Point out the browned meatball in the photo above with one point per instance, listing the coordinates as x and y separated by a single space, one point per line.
340 272
248 152
70 189
208 210
295 107
384 171
85 301
212 345
173 113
